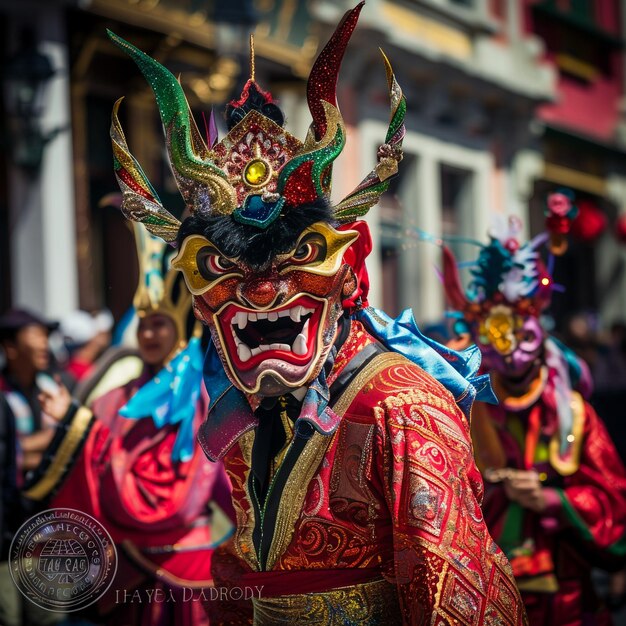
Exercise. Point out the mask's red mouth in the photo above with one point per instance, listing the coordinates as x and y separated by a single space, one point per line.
287 333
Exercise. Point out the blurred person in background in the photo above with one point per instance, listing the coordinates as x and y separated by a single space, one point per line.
24 338
9 498
609 373
86 336
609 400
555 488
28 369
136 466
605 354
10 518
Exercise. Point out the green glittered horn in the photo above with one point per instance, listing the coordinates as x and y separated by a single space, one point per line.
367 194
203 185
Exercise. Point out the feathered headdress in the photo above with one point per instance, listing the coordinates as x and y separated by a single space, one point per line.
508 272
258 171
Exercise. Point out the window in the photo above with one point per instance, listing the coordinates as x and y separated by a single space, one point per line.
456 200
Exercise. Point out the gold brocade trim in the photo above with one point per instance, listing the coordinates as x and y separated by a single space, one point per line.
375 602
63 457
292 500
380 362
245 519
566 467
158 572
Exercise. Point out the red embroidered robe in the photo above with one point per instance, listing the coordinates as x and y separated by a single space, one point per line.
378 521
125 478
552 553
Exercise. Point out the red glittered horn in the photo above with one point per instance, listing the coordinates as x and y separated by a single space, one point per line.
307 176
322 83
452 281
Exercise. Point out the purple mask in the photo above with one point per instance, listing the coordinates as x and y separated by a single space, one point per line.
511 344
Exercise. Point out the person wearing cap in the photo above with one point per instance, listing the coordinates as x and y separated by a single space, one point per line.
26 434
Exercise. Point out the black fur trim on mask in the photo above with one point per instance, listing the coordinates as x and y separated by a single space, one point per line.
251 245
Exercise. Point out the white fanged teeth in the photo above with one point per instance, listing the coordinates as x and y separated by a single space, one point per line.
243 352
299 345
241 318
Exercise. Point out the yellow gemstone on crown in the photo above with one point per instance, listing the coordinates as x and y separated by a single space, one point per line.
257 172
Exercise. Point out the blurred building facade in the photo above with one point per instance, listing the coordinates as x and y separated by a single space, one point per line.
582 146
506 100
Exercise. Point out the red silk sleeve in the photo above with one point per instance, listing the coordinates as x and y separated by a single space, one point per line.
447 567
594 497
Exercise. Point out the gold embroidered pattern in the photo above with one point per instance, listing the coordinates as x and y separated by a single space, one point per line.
292 500
376 365
67 449
375 602
245 519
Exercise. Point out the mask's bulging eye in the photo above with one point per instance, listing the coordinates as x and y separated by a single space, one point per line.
212 264
311 250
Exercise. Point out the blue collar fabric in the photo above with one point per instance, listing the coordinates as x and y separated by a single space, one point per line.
230 414
456 371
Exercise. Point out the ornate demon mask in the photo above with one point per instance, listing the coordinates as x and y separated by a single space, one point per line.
509 290
271 265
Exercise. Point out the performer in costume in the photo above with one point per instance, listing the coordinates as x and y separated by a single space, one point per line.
132 463
357 498
555 486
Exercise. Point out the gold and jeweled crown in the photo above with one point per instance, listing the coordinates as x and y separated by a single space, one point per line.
258 170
